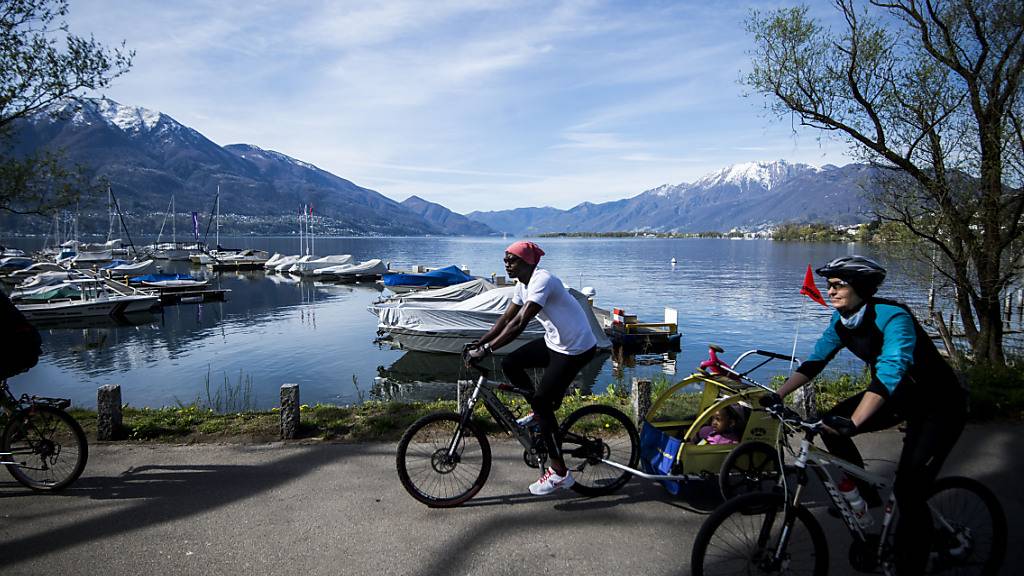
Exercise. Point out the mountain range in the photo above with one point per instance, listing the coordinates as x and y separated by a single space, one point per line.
148 158
750 196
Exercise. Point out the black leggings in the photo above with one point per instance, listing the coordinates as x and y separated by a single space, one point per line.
930 437
559 371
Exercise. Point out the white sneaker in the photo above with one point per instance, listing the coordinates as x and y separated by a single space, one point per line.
550 482
525 419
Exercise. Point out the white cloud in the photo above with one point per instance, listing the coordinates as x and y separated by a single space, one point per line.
471 104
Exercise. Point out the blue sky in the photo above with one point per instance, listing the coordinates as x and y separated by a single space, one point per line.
476 105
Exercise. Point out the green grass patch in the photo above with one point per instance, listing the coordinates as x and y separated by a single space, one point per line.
995 394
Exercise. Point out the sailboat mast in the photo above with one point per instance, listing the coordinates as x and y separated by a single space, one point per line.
174 224
218 215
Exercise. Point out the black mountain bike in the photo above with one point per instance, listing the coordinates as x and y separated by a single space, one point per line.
444 458
42 446
774 532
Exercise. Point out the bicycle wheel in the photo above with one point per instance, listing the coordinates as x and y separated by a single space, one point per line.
969 528
592 433
750 467
742 535
426 470
47 446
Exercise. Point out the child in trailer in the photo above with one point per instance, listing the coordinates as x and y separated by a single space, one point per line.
724 428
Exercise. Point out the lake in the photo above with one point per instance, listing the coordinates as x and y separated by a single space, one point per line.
273 329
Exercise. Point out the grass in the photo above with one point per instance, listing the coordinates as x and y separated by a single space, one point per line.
224 416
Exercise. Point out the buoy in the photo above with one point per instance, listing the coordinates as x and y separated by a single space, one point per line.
673 261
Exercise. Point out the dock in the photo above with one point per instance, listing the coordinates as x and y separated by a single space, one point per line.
197 296
626 332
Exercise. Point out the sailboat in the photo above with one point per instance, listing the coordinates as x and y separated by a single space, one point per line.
172 250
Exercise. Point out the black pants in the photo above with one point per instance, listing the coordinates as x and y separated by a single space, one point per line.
931 435
559 371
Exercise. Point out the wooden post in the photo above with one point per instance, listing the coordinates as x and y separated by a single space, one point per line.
108 412
947 340
289 411
641 397
931 300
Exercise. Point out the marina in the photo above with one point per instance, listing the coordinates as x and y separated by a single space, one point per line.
268 328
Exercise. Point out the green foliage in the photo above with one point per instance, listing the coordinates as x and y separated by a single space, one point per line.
43 63
810 233
996 391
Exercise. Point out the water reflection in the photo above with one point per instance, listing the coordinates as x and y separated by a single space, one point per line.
276 329
427 376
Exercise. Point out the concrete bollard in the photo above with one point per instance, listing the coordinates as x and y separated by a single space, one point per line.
289 411
641 397
108 412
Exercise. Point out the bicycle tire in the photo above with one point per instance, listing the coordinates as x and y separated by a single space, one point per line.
979 522
750 467
592 478
743 533
426 472
48 447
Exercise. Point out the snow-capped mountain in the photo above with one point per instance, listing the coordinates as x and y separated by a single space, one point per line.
748 195
147 157
753 175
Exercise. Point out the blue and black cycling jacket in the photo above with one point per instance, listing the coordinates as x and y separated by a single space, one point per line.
905 365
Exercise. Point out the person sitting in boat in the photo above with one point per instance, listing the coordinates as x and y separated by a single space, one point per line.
724 428
567 346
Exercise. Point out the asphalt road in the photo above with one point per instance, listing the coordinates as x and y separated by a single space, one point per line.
310 509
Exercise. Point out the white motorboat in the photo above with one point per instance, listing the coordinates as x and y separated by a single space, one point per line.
248 259
26 273
131 268
454 293
308 267
446 327
11 263
368 270
86 258
47 278
274 260
289 261
86 297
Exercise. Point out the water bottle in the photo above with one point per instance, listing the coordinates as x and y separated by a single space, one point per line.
848 488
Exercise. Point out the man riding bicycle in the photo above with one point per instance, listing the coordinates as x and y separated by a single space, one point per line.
568 345
910 382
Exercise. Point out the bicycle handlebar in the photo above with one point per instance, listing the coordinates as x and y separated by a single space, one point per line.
789 416
773 355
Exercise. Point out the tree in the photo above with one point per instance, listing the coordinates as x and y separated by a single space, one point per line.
42 63
930 91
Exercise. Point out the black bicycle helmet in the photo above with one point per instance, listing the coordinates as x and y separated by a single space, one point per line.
864 274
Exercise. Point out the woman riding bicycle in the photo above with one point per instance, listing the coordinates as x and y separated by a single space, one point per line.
910 382
567 346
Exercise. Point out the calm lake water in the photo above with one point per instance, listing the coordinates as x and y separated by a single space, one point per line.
272 330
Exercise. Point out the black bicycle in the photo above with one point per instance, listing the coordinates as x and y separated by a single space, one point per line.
444 458
42 446
773 532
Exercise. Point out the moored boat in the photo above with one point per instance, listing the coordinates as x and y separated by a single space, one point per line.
363 271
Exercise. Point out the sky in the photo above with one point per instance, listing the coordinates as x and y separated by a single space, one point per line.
472 104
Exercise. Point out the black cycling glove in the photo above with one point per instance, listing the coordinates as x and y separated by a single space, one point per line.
842 425
769 399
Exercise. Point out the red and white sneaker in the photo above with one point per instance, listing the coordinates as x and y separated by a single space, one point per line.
550 481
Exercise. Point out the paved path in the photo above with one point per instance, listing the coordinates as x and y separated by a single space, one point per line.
310 509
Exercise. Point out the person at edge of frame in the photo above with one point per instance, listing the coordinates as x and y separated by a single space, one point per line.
567 346
910 382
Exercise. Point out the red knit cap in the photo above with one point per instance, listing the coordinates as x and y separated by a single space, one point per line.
528 251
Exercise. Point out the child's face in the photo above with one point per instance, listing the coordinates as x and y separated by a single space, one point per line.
720 422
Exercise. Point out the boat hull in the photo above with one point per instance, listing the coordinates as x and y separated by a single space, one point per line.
88 308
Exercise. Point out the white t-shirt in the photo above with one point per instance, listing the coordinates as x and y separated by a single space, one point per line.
566 328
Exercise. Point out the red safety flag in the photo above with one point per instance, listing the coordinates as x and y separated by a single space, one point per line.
810 289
